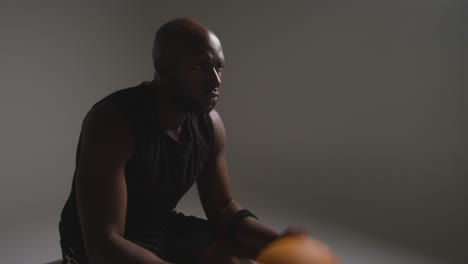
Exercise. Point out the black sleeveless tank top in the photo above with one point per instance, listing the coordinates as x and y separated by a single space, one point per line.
160 171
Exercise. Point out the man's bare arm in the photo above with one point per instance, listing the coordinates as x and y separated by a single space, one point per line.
215 194
106 145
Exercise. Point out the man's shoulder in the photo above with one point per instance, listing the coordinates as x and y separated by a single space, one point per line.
215 116
126 99
127 94
120 104
216 122
219 132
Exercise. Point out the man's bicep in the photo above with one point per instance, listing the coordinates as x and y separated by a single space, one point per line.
214 185
100 181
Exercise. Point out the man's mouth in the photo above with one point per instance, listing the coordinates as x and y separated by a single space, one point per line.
213 92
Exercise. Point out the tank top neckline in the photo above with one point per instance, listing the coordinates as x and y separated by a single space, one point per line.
152 108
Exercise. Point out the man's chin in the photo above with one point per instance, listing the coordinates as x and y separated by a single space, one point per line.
205 109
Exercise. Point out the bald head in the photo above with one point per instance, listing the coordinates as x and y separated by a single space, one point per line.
188 59
181 37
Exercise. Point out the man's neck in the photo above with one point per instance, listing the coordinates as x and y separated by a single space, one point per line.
170 116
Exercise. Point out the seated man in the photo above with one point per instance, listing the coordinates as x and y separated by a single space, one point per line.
140 151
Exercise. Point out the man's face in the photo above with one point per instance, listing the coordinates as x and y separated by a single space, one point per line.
196 77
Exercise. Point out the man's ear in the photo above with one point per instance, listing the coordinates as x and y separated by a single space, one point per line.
157 65
161 67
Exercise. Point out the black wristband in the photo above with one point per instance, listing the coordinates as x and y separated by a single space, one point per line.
235 220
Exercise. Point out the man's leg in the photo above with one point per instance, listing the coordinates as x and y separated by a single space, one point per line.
190 239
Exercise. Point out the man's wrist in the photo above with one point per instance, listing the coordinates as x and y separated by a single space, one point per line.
255 234
235 222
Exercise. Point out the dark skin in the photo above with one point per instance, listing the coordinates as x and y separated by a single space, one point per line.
189 78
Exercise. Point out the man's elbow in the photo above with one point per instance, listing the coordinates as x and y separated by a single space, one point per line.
102 249
230 208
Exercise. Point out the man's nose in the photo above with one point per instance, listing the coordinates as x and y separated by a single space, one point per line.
215 77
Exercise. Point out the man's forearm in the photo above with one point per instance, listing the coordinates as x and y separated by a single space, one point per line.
255 234
249 231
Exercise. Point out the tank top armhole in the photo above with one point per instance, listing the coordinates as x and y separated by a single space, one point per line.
210 130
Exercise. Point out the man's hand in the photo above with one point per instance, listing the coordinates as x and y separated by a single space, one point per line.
295 231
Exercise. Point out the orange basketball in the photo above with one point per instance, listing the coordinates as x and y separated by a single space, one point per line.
296 250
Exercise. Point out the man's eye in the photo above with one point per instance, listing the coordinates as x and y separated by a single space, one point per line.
198 66
219 67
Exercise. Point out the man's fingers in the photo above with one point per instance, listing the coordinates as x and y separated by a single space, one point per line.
297 231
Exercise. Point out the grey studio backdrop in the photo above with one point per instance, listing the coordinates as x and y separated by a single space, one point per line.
350 113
